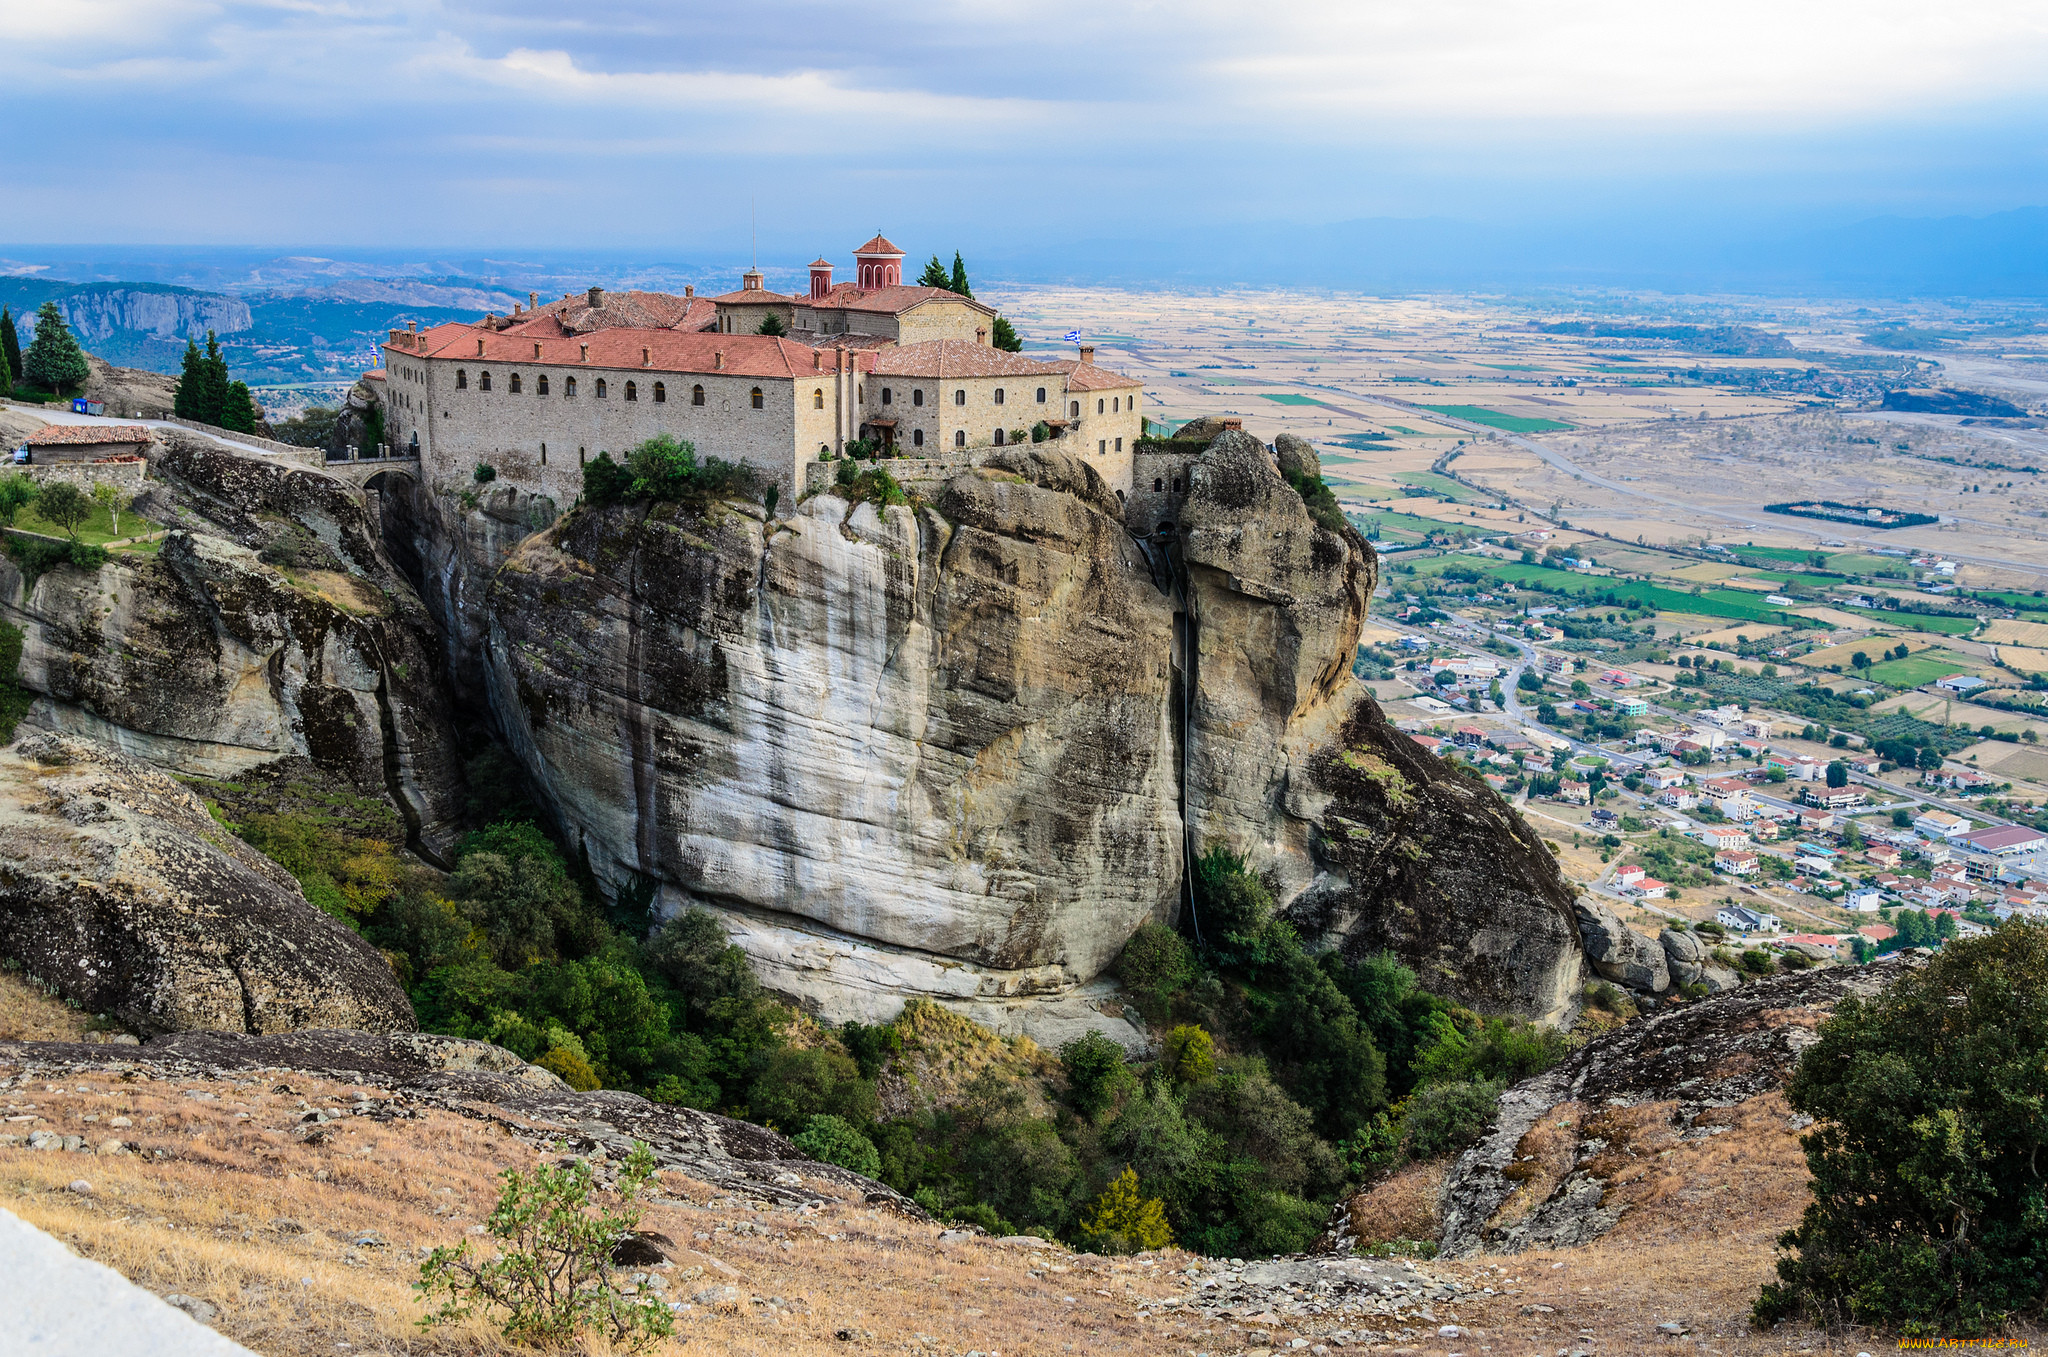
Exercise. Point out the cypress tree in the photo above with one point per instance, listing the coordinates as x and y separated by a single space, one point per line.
958 282
185 404
239 411
213 386
54 362
935 275
10 350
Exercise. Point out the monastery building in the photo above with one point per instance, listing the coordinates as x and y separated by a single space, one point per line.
536 394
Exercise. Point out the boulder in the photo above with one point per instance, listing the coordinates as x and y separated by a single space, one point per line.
1812 951
1297 457
1719 979
1618 952
118 888
1684 953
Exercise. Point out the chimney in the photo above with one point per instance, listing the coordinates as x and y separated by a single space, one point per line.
689 289
515 308
412 327
1088 353
718 359
981 334
536 350
596 295
646 357
490 320
479 347
533 301
586 353
817 360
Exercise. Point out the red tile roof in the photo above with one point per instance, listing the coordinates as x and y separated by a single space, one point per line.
54 435
634 310
887 301
758 296
821 263
879 245
619 348
1088 377
957 358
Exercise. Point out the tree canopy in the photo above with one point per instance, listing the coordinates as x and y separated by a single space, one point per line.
1930 1208
204 392
54 362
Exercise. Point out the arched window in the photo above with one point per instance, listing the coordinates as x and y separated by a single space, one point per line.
756 398
823 452
960 396
1176 485
540 385
917 396
483 381
999 437
632 391
600 388
661 393
1158 483
1041 395
697 394
1114 404
513 385
569 387
818 397
959 438
461 379
1098 404
999 395
1075 410
917 438
886 393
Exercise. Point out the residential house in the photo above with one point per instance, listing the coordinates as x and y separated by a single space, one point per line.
1658 779
1746 920
1632 706
1628 874
1678 798
1967 780
1864 900
1939 824
1883 855
1832 798
1763 829
1650 888
1735 862
1816 821
1573 794
1723 836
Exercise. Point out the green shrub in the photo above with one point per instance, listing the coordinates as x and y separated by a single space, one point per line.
1756 961
1929 1210
1094 1065
572 1066
797 1085
1189 1055
834 1140
65 505
1443 1119
1157 967
14 699
1123 1220
551 1275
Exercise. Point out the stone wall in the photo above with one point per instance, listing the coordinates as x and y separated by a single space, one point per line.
1159 483
126 476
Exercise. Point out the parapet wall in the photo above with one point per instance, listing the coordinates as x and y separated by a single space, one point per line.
123 475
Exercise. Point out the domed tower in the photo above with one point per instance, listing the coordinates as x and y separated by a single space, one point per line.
878 264
821 277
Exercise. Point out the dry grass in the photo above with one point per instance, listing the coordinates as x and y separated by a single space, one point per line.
28 1012
1403 1205
242 1212
944 1052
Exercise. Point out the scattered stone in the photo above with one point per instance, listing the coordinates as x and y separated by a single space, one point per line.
192 1306
717 1295
1672 1327
80 1186
642 1248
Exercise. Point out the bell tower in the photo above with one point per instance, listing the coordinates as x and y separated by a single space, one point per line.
878 264
821 277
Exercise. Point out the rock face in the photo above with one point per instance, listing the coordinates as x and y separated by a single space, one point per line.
270 624
901 751
1561 1164
1296 456
1691 963
961 750
120 889
130 392
1620 953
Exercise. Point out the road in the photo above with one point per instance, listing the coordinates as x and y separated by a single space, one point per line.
225 439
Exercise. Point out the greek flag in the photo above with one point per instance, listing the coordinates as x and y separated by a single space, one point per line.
1073 336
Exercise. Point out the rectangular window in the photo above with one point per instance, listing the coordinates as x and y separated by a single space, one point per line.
1119 445
1102 445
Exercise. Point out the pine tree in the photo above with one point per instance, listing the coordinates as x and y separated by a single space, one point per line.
10 351
213 384
185 403
771 324
54 361
958 282
1005 336
935 275
239 411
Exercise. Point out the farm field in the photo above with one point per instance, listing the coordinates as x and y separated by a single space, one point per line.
1951 626
1495 419
2003 632
1873 645
1924 667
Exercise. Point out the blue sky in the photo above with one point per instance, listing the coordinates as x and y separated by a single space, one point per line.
652 126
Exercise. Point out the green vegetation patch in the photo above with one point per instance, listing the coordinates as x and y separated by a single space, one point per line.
14 699
1442 486
1289 398
1924 667
1495 419
1902 620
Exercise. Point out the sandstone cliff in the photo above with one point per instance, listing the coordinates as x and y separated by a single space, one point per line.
962 750
902 751
270 623
120 889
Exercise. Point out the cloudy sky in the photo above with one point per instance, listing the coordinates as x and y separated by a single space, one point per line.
646 124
